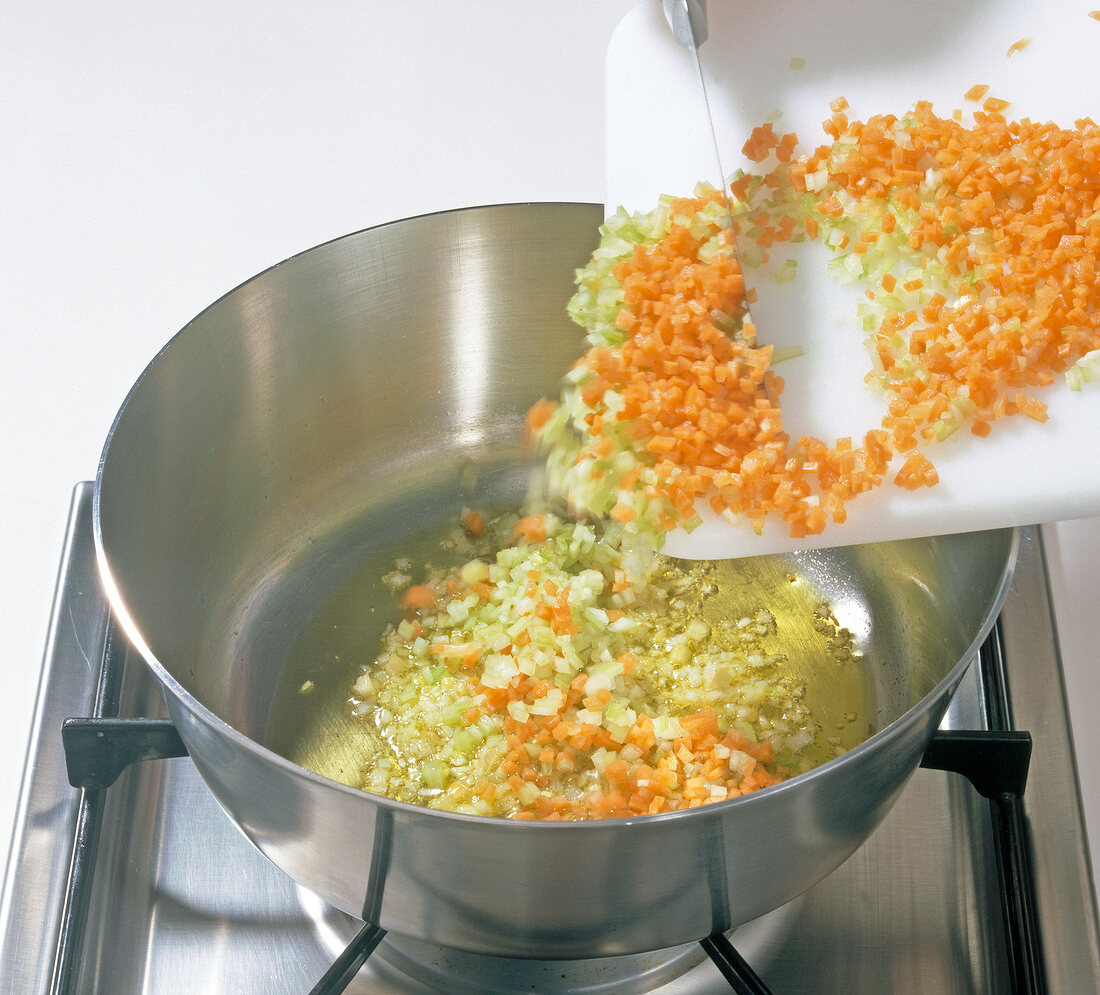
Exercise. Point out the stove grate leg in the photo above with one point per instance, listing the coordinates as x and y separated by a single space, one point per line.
735 969
347 965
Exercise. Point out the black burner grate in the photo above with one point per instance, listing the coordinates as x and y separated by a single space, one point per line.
995 760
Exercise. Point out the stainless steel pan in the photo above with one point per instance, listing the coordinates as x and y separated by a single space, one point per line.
330 405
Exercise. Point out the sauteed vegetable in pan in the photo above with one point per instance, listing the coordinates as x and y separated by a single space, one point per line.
556 673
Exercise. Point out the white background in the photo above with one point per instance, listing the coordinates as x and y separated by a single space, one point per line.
155 155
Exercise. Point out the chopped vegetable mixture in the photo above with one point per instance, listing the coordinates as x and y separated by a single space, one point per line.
560 673
976 246
566 674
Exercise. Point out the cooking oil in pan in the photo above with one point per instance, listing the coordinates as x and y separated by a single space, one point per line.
815 659
761 605
311 722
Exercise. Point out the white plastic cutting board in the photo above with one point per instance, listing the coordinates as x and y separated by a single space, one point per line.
883 56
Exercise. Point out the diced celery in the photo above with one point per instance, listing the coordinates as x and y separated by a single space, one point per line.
1085 371
786 272
435 774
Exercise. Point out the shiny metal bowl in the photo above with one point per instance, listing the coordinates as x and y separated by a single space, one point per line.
326 408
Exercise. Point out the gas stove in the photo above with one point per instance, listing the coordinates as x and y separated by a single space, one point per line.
176 899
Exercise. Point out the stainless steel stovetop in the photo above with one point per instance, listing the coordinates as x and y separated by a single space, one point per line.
181 902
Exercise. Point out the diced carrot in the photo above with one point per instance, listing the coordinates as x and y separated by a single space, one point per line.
762 140
917 471
418 597
531 527
623 513
539 413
